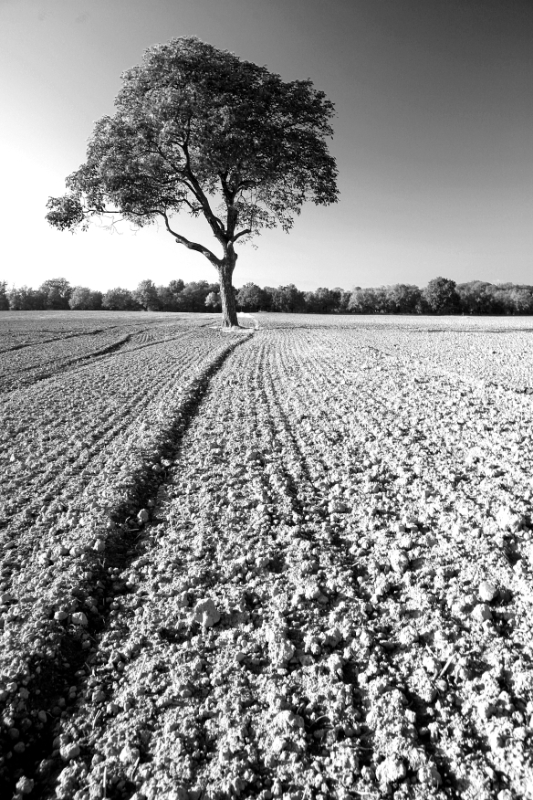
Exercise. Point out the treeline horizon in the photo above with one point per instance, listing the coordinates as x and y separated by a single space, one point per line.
440 296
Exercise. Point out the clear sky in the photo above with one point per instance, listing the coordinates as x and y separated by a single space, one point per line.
433 136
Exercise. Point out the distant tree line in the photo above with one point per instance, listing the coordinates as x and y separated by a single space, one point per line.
440 296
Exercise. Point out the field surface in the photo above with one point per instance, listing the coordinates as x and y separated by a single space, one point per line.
293 561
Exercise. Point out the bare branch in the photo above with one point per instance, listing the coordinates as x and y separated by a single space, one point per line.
102 212
199 248
195 210
216 224
241 233
192 184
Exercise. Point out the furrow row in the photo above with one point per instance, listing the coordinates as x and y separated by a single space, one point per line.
57 607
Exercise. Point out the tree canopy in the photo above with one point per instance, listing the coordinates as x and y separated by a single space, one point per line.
441 296
198 130
474 297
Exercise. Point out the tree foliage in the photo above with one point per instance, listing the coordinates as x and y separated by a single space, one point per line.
324 301
56 292
251 297
146 296
4 299
213 302
288 298
119 300
475 297
198 130
441 296
84 299
25 298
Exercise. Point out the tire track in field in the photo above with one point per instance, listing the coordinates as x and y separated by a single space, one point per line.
39 343
373 738
78 468
97 437
233 407
87 361
64 366
51 676
75 470
305 500
276 440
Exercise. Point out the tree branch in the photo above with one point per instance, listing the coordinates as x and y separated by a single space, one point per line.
216 224
241 233
103 211
198 248
192 184
195 210
233 214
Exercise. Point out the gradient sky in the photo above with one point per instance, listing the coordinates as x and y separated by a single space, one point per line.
433 136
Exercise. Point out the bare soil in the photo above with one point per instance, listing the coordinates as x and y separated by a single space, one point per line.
308 576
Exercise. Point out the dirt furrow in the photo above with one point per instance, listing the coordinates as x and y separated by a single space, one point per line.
139 337
69 428
40 342
349 564
45 678
329 597
472 731
298 717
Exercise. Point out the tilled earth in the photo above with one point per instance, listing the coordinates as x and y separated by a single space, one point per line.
322 591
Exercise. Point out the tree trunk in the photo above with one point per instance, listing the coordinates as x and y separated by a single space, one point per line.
229 307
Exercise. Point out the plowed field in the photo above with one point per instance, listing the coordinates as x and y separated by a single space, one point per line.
290 562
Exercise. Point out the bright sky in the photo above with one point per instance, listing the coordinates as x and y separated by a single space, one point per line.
433 136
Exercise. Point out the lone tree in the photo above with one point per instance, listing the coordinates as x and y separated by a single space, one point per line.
198 130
